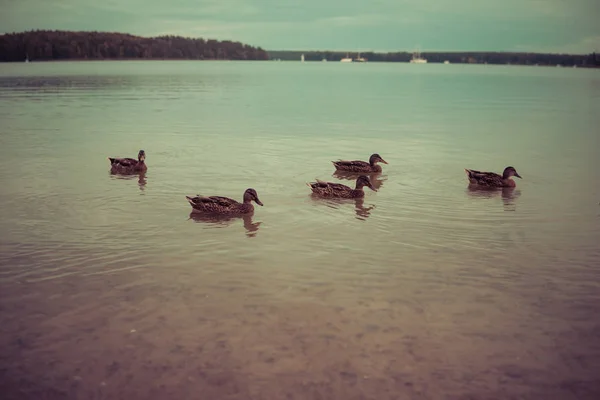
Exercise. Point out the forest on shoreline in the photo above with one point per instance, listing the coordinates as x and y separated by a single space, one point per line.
46 45
67 45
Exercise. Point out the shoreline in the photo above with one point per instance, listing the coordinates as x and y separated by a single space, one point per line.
275 60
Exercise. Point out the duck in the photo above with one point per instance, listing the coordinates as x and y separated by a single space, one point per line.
491 179
330 189
360 166
225 205
129 165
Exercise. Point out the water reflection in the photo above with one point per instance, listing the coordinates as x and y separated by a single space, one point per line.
375 178
221 221
141 177
54 84
508 195
362 212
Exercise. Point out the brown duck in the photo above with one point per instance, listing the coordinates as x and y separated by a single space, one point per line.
491 179
330 189
225 205
360 166
129 165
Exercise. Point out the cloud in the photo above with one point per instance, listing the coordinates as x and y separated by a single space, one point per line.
346 21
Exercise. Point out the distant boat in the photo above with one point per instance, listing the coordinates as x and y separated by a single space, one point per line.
417 59
26 58
302 58
346 59
324 60
446 62
349 59
360 59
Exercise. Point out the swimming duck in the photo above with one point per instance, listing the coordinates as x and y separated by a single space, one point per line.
491 179
225 205
360 166
330 189
129 165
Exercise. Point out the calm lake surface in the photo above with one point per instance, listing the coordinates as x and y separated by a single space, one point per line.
109 288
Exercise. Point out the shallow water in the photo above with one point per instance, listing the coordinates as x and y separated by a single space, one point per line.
111 288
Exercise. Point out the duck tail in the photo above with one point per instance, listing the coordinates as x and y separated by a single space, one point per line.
112 160
469 173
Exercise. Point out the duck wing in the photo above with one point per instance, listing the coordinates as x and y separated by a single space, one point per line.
223 201
484 178
212 201
330 186
123 162
356 165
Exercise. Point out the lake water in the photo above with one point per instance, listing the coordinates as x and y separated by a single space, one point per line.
425 290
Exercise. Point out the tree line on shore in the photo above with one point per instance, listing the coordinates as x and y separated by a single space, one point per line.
482 57
43 45
48 45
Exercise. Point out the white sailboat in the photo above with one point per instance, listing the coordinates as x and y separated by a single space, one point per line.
417 59
346 59
360 59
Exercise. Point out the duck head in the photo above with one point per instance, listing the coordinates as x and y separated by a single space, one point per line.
510 171
363 181
375 158
250 195
141 156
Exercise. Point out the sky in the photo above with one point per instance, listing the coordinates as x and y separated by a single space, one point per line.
557 26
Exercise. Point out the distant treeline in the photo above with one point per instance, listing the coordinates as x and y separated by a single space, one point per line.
67 45
590 60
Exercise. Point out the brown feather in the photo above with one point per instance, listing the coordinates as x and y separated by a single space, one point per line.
487 179
355 166
330 189
220 204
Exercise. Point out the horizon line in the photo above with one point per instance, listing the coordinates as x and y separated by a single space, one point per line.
436 51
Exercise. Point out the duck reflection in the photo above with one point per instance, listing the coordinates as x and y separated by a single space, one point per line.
509 195
376 178
361 211
222 220
141 177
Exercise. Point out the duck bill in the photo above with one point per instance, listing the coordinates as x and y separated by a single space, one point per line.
142 157
383 161
372 188
258 202
518 176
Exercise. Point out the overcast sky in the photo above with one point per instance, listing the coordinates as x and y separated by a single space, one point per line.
381 25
